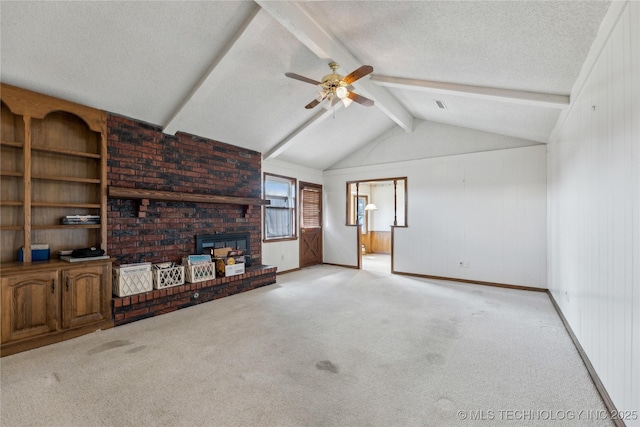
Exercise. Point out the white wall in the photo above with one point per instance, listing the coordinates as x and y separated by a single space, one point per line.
594 207
485 209
382 196
427 140
286 254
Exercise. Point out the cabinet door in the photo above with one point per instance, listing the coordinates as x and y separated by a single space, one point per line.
85 295
29 305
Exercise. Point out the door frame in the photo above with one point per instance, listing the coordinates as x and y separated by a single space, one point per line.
395 225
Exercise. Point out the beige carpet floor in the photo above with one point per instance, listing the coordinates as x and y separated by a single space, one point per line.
377 262
325 346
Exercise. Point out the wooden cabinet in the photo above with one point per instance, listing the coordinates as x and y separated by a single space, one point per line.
86 295
52 164
30 305
53 301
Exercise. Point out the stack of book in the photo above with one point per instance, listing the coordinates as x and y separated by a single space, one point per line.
80 219
196 259
79 255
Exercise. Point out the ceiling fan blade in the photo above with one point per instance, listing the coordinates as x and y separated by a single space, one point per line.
312 104
357 74
302 78
362 100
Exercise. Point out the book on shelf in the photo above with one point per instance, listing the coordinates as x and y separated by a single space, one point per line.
70 258
196 259
80 219
134 268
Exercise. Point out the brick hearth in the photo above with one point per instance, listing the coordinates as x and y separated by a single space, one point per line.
160 301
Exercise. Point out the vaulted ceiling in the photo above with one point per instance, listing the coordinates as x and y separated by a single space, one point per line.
217 69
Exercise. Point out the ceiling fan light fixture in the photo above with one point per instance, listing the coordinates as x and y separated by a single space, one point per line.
342 92
335 87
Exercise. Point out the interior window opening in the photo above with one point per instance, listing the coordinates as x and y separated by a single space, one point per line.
375 206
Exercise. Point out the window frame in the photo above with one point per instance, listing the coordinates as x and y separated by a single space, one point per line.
293 211
309 187
364 227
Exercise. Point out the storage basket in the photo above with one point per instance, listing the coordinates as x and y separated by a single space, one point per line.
167 277
127 283
224 268
233 270
200 272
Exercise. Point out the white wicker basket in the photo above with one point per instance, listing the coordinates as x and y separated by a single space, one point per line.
127 283
200 272
167 277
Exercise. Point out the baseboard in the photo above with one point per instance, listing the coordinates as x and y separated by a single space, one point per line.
472 282
604 395
278 273
53 337
340 265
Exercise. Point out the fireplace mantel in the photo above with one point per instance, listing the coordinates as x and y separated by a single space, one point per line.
136 193
171 196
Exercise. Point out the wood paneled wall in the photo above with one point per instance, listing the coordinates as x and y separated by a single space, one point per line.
594 208
380 242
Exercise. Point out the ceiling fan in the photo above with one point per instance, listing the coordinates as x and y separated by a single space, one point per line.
335 88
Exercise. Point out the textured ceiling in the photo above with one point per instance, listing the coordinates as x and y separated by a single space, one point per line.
216 69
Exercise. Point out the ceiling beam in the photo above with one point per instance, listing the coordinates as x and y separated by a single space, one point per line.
536 99
290 139
294 18
254 24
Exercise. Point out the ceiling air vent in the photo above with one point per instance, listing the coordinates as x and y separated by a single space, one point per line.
441 105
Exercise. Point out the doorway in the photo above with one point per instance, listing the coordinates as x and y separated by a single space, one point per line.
310 224
375 206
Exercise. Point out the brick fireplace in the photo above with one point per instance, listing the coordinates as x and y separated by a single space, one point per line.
140 156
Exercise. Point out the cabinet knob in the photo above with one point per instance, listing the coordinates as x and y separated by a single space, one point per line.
67 284
53 286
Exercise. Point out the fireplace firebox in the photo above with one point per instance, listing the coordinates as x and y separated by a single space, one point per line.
206 242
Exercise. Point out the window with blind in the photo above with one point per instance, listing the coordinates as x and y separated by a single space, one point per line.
311 203
280 214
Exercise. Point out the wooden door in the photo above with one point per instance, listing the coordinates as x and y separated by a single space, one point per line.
310 224
86 295
29 305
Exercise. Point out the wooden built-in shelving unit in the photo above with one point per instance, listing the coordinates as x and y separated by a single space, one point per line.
53 164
